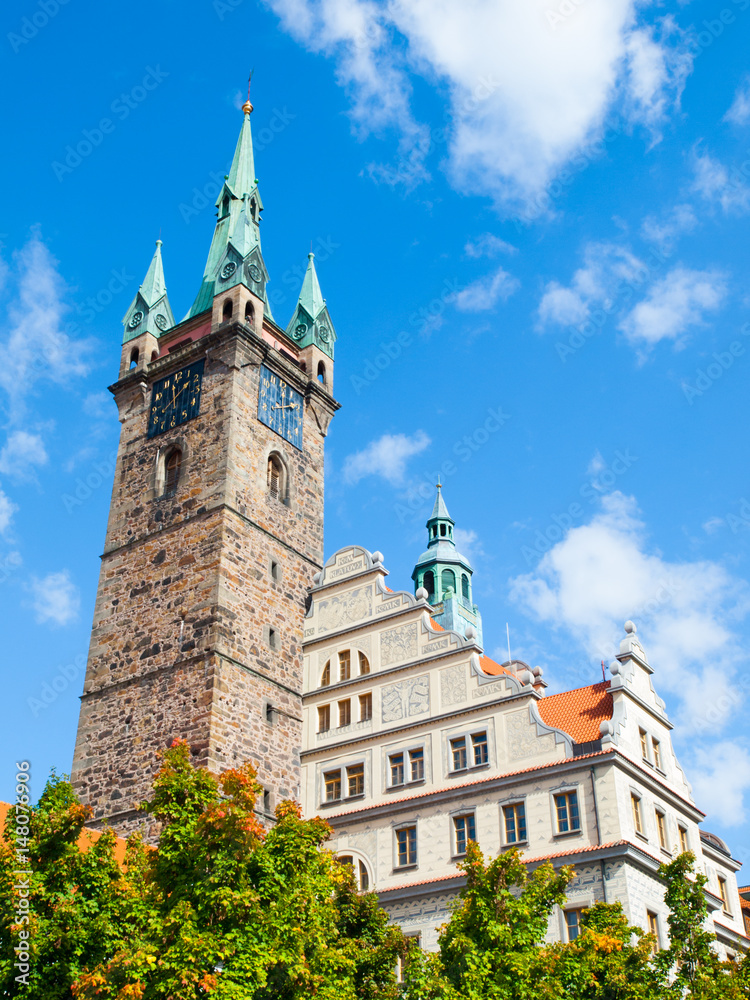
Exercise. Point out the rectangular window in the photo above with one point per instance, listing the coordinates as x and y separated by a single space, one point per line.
644 743
656 748
324 718
724 894
406 846
396 763
684 846
273 638
661 827
416 764
653 928
458 753
345 712
345 665
365 707
355 778
573 924
465 830
333 785
637 816
415 940
515 823
479 745
568 817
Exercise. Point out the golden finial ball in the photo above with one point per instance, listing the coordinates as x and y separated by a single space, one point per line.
247 108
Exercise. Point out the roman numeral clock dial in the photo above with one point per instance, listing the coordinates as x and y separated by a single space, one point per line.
175 399
280 407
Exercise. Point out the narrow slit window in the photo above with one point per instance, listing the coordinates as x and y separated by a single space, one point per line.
325 680
345 665
172 472
345 712
324 718
275 478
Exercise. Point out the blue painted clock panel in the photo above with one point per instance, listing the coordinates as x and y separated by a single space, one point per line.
280 406
176 399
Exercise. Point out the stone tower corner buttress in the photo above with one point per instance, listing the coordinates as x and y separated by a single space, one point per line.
215 528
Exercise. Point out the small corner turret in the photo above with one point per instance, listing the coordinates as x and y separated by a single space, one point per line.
312 330
149 316
446 575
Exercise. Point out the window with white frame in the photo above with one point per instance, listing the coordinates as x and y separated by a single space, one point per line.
661 828
365 707
724 894
653 928
406 846
355 780
464 830
359 870
656 750
469 751
643 735
332 785
635 802
573 923
514 820
683 835
567 813
405 767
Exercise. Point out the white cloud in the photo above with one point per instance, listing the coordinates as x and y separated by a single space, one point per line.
666 230
56 598
720 776
386 457
38 344
7 510
713 524
468 543
713 182
22 454
486 292
488 245
673 304
739 111
604 572
524 93
606 266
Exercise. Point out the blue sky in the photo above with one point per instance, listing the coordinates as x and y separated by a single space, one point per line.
530 221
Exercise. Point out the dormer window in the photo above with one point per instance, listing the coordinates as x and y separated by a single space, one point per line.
225 206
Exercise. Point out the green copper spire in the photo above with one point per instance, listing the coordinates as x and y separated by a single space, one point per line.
311 322
150 311
235 256
446 574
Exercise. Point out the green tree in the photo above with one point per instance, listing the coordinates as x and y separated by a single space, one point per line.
220 908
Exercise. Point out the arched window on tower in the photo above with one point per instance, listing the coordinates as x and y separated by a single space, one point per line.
249 313
321 373
172 472
448 581
465 586
276 483
226 312
428 582
134 358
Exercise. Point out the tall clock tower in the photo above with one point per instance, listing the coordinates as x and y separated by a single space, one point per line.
216 524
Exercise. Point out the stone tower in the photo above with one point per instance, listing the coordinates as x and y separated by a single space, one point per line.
216 524
446 575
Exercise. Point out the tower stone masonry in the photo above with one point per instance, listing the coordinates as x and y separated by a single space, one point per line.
215 528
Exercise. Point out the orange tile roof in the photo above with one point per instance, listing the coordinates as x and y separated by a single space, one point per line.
579 712
490 667
85 840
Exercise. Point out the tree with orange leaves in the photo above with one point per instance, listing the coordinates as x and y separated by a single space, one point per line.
221 908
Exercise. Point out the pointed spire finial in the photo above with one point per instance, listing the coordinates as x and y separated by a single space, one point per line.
247 106
439 484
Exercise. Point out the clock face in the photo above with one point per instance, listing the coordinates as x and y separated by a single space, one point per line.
175 399
280 407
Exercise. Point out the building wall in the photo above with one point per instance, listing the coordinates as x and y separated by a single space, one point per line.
181 645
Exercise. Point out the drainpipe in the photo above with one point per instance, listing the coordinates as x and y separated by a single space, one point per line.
598 832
